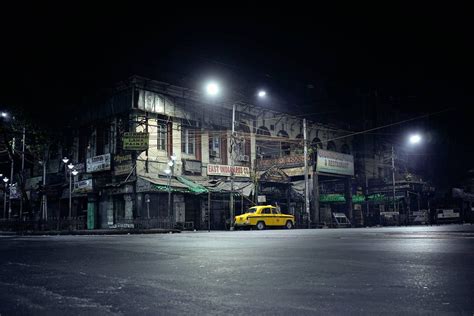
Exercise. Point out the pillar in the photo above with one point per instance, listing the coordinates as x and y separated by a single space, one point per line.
128 206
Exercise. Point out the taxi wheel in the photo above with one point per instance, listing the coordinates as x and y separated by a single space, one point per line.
260 225
289 225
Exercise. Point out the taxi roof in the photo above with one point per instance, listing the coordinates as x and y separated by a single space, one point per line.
260 206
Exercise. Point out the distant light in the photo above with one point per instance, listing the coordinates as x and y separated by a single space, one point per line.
4 114
262 94
415 139
5 179
212 88
65 160
168 171
75 172
70 166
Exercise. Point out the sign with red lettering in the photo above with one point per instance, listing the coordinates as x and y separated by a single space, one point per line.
225 170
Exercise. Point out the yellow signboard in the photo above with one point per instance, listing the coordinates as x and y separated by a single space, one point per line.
135 141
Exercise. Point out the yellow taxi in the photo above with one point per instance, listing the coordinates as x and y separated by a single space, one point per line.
262 216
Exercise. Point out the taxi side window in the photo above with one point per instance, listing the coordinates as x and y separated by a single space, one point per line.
266 211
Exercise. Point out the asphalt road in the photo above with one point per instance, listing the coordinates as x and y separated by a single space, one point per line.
412 270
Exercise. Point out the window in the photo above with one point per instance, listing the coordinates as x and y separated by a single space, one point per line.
214 146
266 211
161 136
187 141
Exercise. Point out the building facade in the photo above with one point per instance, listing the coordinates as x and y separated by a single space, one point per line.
122 149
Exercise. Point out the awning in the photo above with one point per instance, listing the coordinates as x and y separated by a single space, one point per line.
244 188
192 186
223 186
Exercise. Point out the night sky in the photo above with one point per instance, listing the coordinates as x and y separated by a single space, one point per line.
328 61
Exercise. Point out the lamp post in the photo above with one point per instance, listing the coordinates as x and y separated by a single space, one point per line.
169 172
70 167
413 139
213 89
65 161
5 181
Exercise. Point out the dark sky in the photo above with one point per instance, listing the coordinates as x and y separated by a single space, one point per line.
418 60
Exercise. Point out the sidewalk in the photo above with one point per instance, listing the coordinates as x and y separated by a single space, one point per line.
92 232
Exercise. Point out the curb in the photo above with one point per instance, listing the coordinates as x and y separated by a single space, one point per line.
93 232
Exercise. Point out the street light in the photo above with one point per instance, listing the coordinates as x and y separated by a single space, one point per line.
65 161
4 114
262 94
212 88
70 167
415 139
168 173
5 180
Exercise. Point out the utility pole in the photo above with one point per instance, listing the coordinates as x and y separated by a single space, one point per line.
232 144
393 176
306 184
22 170
44 197
208 211
11 177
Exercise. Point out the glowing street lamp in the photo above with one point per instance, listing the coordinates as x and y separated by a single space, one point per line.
262 94
212 88
415 139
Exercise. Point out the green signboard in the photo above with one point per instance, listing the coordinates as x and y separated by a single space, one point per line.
135 141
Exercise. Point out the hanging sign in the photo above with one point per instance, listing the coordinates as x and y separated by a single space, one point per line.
98 163
122 164
135 141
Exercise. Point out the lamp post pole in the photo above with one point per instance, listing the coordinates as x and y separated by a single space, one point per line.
170 172
232 145
169 198
70 167
5 182
11 177
393 177
306 184
22 169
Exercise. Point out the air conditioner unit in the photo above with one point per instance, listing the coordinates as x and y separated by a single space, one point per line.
213 153
244 158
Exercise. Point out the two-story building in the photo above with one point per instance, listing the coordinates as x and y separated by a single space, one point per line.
122 149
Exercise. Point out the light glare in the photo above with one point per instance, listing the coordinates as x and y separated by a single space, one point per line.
262 93
212 88
415 139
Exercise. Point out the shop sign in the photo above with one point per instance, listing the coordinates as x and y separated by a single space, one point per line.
262 199
192 166
83 186
98 163
334 162
225 170
122 164
135 140
282 162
